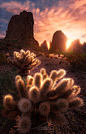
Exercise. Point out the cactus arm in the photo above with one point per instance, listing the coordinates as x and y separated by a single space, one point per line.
10 61
75 102
38 79
9 103
21 88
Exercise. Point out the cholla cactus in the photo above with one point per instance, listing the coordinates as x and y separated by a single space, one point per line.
47 55
61 55
24 61
56 56
51 55
47 98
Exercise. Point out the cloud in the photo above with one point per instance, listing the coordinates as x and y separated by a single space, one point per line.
3 20
68 16
15 7
2 34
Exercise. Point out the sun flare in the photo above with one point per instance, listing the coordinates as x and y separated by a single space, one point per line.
68 44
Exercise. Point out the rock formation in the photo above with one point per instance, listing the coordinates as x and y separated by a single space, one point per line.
20 27
84 47
59 41
44 45
75 47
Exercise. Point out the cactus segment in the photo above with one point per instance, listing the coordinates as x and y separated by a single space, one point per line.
27 52
66 94
75 91
59 105
51 94
34 94
30 80
37 79
42 71
24 105
8 102
17 78
10 61
53 75
45 86
61 87
75 102
61 73
45 76
24 124
44 108
21 88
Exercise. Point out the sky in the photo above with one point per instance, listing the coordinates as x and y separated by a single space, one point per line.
69 16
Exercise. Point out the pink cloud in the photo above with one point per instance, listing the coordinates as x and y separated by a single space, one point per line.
69 16
71 20
2 35
15 7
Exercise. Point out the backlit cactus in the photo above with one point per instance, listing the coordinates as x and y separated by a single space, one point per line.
61 55
34 94
24 61
9 103
46 97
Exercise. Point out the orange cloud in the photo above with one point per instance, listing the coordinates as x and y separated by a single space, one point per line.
69 16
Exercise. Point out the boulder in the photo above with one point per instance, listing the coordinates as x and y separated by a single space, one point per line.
20 27
59 41
75 47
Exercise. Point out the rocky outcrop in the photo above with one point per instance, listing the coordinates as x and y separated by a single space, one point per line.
20 27
76 47
44 45
59 41
84 47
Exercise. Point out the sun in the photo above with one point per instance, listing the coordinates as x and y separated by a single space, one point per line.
68 43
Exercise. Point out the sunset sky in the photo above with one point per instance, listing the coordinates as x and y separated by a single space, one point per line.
49 16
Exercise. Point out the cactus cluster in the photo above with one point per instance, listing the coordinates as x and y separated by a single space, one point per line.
52 55
24 61
47 95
